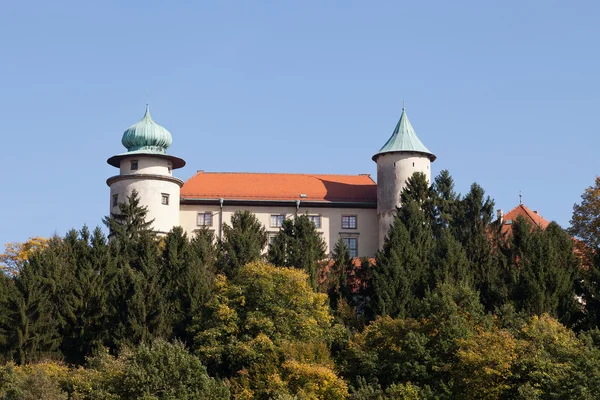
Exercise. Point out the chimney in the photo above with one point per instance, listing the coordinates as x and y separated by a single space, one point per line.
535 212
499 215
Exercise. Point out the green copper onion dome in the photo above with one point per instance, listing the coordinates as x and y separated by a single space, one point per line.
147 135
404 139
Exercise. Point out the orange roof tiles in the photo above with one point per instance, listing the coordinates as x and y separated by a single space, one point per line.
521 211
278 187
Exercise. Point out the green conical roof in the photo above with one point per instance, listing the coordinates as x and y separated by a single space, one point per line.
404 139
147 135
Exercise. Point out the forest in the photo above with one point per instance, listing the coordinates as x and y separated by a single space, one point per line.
449 308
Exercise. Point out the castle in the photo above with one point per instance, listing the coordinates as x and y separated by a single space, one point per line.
353 207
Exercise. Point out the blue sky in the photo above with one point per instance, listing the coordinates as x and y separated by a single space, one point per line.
506 94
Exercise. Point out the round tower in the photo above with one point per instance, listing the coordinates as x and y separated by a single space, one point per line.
148 169
399 158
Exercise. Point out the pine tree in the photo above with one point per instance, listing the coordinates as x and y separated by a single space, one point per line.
545 264
186 278
444 200
341 267
130 223
472 227
298 244
243 242
402 274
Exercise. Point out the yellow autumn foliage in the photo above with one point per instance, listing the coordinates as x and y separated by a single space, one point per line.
15 253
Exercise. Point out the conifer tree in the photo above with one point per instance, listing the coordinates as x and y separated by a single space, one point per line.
444 200
298 244
402 275
545 264
243 242
186 279
204 244
130 223
472 227
341 267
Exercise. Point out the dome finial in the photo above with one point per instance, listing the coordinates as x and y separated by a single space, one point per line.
147 135
402 104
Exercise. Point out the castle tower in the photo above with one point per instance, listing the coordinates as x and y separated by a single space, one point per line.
399 158
147 168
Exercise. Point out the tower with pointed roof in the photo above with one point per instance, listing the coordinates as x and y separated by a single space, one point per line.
399 158
147 168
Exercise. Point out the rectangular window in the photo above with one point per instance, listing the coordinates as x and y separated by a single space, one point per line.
205 219
277 221
349 222
115 200
134 165
272 236
315 219
165 199
352 244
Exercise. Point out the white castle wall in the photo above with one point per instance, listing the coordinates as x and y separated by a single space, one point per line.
151 180
393 170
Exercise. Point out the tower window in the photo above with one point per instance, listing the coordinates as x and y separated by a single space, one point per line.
348 221
170 169
115 200
205 219
134 165
277 221
413 164
165 199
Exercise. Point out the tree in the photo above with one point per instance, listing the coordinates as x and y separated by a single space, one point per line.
162 370
545 265
585 222
16 254
403 265
243 242
269 334
298 244
186 279
130 223
340 268
484 365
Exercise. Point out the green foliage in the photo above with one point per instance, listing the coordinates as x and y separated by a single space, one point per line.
130 223
168 371
299 245
243 242
268 332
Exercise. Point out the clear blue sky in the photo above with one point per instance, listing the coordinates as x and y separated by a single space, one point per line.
506 94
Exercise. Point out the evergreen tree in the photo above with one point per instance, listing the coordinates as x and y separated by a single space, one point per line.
35 322
444 200
402 275
473 228
298 244
130 223
204 244
545 264
243 242
186 279
341 267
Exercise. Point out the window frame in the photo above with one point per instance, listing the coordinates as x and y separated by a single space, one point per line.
135 163
164 196
204 213
271 225
347 240
355 221
310 216
115 200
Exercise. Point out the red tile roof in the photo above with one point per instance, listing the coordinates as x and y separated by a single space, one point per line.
273 186
522 211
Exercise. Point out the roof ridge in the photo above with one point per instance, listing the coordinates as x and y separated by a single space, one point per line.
281 173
